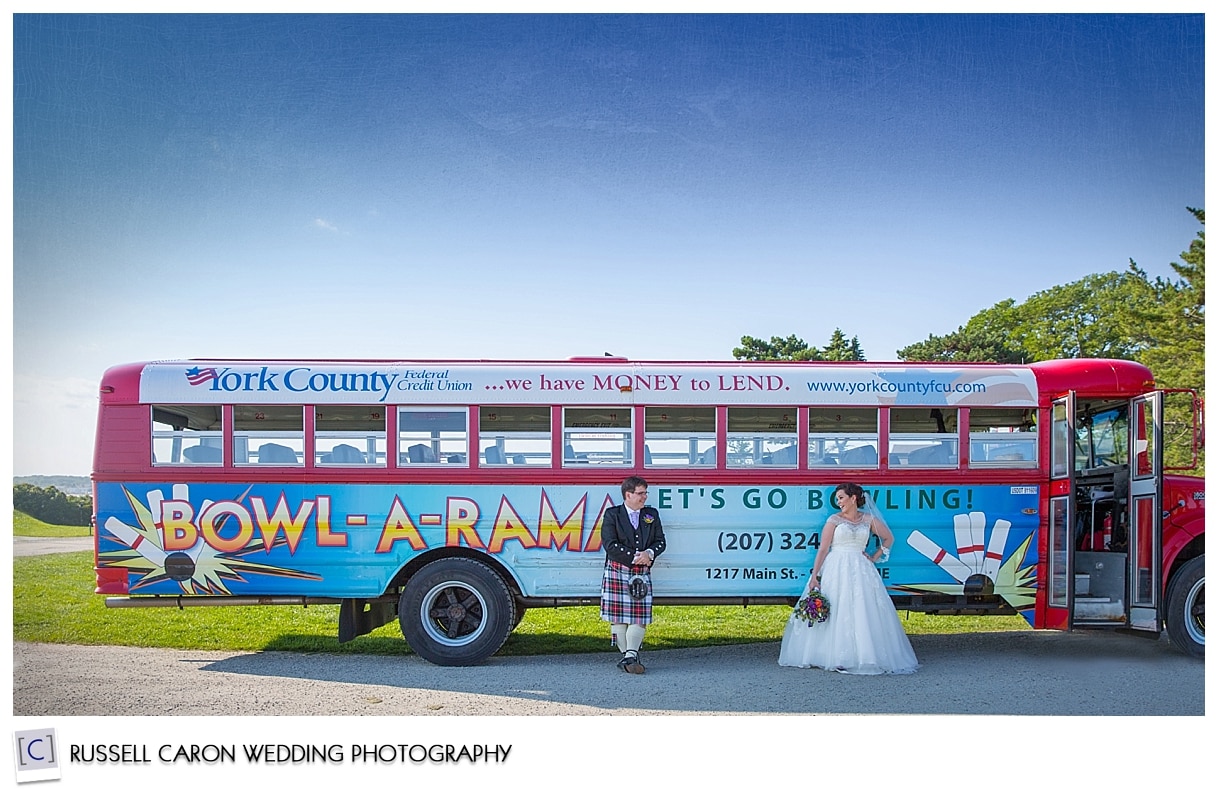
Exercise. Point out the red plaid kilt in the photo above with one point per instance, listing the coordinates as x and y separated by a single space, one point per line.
616 604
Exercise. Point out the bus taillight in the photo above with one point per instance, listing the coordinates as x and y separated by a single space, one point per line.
111 581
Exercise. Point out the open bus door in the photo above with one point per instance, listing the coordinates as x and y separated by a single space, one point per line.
1105 515
1060 572
1145 511
1060 594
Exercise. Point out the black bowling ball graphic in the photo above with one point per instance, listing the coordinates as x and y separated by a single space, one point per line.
979 584
179 566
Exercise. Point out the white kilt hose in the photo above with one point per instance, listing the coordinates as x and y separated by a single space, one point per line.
617 606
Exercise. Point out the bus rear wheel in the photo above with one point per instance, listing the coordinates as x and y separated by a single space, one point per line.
1186 608
456 612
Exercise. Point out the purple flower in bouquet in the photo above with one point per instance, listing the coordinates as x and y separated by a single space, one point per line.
813 608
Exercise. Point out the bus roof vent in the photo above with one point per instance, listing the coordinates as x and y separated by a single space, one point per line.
606 358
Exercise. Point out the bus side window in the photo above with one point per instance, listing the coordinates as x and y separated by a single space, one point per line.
844 437
187 434
597 436
277 432
677 435
349 435
425 435
519 433
1002 438
756 434
923 438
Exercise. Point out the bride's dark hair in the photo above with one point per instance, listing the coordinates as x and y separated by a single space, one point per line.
855 490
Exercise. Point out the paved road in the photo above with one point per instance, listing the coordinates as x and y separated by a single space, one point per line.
1013 673
27 547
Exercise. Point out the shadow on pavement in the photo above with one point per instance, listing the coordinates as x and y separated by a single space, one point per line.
1008 673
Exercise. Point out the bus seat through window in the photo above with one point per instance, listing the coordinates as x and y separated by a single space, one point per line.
1006 452
203 454
420 454
935 455
345 454
646 455
519 459
494 455
786 456
707 458
860 456
271 453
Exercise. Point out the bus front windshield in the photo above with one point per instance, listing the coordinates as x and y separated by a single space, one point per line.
1102 439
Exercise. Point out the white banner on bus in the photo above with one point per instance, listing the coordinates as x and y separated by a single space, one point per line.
656 383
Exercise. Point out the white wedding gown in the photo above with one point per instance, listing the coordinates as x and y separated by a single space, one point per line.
863 635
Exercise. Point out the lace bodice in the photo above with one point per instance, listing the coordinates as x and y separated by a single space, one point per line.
852 536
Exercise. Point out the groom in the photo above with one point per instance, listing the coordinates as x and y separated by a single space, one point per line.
632 537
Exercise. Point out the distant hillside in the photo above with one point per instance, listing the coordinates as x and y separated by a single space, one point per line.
68 484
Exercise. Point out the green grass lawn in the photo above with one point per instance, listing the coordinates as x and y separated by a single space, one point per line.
30 527
53 601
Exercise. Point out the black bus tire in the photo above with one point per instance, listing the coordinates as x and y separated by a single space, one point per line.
1186 608
456 612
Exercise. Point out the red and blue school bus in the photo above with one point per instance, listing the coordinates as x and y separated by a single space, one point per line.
455 495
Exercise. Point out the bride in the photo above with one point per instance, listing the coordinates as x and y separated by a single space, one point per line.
863 635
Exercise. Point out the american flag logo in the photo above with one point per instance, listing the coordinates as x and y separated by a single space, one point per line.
197 376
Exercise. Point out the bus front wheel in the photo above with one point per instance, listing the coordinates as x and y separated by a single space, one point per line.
1186 608
456 612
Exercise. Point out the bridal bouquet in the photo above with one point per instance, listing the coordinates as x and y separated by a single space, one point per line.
813 608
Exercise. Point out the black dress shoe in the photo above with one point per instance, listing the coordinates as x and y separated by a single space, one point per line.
631 664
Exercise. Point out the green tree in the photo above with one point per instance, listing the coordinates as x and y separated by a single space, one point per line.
1175 325
1096 316
1123 315
985 338
839 349
52 505
1176 320
753 349
842 350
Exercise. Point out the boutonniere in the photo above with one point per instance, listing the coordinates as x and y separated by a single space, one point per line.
648 518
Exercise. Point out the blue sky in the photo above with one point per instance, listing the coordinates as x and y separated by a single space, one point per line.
549 186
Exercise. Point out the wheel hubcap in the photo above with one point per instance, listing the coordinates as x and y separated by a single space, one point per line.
1195 606
453 614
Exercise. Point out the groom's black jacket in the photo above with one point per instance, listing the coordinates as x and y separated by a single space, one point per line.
620 540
